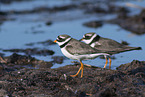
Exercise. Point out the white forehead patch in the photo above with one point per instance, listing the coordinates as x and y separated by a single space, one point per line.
88 34
62 37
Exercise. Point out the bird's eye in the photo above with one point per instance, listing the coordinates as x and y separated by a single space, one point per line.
87 37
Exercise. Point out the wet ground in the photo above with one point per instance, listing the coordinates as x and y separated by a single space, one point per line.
31 59
127 80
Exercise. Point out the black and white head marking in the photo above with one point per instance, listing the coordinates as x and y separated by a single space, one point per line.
90 38
63 40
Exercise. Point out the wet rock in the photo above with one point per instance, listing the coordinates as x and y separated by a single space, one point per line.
107 92
135 24
96 82
65 7
49 23
45 43
2 69
30 44
95 9
3 13
29 51
9 1
118 9
133 67
19 59
18 62
104 8
44 9
58 59
93 24
31 82
3 17
43 64
37 32
3 93
22 59
2 54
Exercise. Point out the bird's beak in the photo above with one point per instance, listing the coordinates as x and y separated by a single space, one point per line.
81 39
55 41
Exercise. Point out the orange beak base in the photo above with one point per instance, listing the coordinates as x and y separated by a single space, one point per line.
55 41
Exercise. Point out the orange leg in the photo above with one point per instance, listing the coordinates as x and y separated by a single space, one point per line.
81 68
106 62
109 63
3 60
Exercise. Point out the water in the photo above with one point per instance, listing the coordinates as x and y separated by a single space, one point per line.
16 33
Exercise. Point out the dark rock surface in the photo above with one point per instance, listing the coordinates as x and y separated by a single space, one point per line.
10 1
17 62
135 24
94 24
3 17
44 9
58 59
103 7
127 80
44 43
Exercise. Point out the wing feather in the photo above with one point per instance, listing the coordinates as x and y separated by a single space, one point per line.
77 47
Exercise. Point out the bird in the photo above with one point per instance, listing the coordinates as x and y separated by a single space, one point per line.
74 49
106 44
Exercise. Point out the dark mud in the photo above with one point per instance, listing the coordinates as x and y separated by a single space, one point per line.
127 80
30 51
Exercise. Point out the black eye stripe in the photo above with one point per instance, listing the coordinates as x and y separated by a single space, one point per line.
87 37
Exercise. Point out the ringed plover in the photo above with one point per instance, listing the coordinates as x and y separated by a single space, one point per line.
74 49
106 44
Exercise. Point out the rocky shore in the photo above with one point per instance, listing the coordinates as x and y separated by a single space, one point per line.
26 76
127 80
